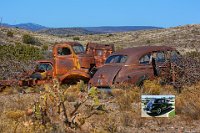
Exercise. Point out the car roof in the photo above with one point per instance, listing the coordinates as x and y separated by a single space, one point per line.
61 44
100 46
135 53
44 61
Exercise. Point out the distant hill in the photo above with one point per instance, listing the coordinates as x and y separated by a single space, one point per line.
114 29
66 31
94 30
26 26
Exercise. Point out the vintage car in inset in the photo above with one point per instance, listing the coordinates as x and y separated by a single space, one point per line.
133 65
157 105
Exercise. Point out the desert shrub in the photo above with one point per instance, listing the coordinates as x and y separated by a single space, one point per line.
193 54
28 39
109 35
119 47
186 71
17 58
127 119
20 52
10 34
76 38
148 41
186 102
15 115
7 90
45 47
152 87
126 94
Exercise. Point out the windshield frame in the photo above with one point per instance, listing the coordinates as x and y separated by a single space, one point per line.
78 49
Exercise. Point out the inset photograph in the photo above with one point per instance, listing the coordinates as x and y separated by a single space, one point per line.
157 105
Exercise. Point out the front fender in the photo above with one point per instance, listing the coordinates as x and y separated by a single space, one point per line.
74 76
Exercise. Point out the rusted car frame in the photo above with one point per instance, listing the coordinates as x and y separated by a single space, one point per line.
70 63
133 65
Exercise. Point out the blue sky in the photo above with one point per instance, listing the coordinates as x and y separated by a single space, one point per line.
87 13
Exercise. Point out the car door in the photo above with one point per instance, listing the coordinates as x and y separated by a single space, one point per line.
64 60
145 67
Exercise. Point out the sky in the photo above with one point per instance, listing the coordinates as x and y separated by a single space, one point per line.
89 13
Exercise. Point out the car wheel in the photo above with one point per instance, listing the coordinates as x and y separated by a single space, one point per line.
158 111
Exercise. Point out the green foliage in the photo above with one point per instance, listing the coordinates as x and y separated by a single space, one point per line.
45 47
76 38
148 41
193 54
10 34
20 52
109 35
119 47
28 39
93 93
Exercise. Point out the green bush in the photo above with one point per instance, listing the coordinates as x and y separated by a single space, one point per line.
28 39
10 34
148 41
20 52
193 54
45 47
76 38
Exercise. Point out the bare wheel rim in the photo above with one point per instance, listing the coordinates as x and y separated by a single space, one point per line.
158 111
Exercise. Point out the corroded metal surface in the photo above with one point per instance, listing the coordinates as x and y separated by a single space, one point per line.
100 52
132 65
70 63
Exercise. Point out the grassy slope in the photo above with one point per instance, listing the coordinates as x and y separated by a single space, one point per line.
184 37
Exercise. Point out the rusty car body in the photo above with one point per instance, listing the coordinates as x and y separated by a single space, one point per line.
70 63
133 65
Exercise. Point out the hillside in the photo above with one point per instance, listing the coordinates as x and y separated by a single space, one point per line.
70 31
114 29
67 31
93 30
183 37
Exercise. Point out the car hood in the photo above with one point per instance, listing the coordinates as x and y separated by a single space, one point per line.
105 75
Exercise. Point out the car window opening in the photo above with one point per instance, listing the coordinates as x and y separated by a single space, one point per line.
64 51
116 59
78 49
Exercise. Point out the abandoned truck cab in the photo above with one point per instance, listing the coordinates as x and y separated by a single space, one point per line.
100 52
71 63
132 65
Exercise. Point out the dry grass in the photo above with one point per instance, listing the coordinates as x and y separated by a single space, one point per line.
122 111
187 103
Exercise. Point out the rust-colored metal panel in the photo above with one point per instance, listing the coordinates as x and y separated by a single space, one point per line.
131 65
105 76
100 52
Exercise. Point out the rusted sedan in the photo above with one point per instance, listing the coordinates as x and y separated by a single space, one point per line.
133 65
